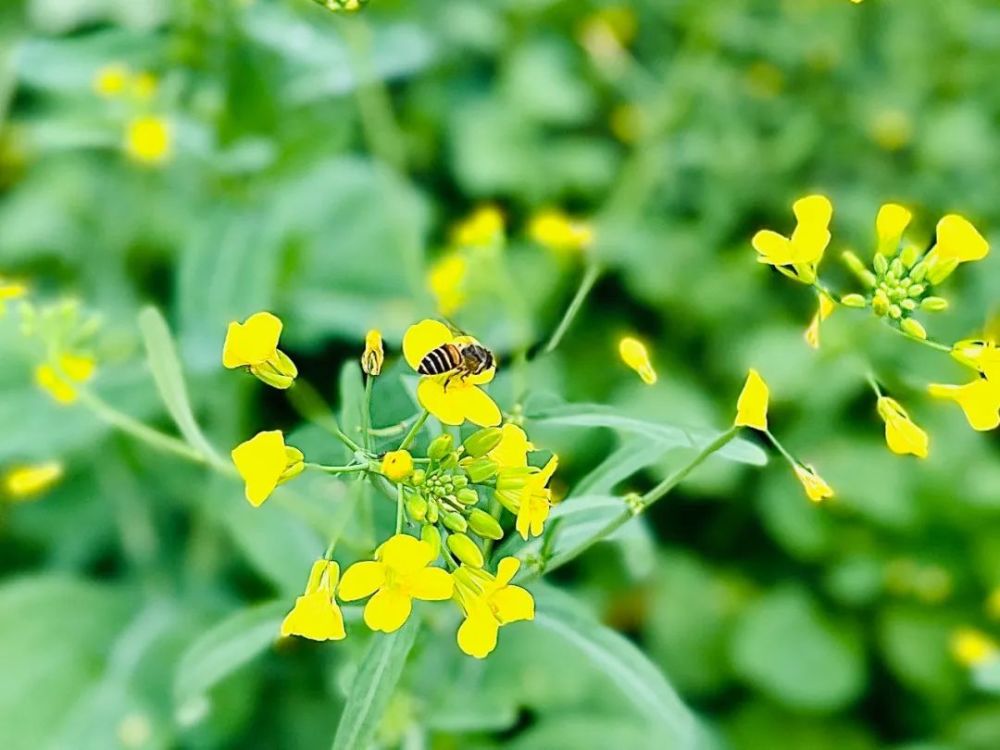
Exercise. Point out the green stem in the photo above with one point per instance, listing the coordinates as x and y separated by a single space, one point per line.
590 276
644 502
874 384
366 414
412 434
781 449
926 342
337 469
399 508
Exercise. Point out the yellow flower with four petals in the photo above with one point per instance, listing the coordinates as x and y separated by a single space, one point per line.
316 615
489 602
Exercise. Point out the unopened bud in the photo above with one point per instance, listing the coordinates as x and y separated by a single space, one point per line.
418 477
853 262
513 478
934 304
416 508
895 312
919 271
853 300
374 354
916 290
896 268
484 524
480 469
880 303
483 441
433 512
454 521
465 550
440 447
293 463
467 496
432 536
880 264
910 255
908 304
913 328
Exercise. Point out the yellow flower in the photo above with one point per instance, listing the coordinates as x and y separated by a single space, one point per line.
488 603
23 482
398 575
751 406
534 501
797 257
633 353
980 400
972 647
315 615
59 383
512 450
825 309
254 344
374 354
446 279
890 224
452 399
958 240
901 434
560 233
485 226
816 489
111 80
10 289
148 139
980 355
264 462
397 465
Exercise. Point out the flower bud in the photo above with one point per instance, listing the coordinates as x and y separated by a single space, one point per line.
467 496
483 441
465 550
433 511
459 481
895 312
416 508
934 304
880 264
896 268
294 463
397 465
513 478
853 262
418 477
432 536
919 271
910 255
374 354
440 447
913 328
480 469
484 524
853 300
450 461
908 304
454 521
916 290
267 376
880 303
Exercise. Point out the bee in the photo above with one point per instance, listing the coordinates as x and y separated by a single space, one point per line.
457 360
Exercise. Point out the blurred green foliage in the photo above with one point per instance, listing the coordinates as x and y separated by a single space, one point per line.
140 596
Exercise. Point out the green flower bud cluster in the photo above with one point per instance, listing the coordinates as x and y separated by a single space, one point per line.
443 498
899 285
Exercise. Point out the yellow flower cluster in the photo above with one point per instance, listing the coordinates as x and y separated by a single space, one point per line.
60 380
148 137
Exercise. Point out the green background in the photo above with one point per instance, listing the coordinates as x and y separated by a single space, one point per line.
139 597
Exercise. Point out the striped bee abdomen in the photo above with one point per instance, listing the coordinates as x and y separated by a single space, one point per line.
441 360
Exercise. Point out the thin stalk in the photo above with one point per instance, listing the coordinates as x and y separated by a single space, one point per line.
399 508
412 434
781 449
590 277
366 414
337 469
926 342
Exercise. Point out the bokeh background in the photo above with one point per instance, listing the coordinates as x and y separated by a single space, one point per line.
679 127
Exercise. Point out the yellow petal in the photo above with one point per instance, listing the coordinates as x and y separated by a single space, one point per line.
25 481
901 434
316 617
77 367
422 338
261 460
512 450
808 244
405 554
56 386
361 579
816 489
633 353
431 584
890 224
445 279
477 635
374 354
815 210
253 342
957 239
507 569
983 356
512 603
387 610
972 647
772 247
432 396
148 139
751 406
980 400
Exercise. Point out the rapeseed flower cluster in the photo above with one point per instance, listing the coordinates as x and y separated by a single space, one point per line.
148 136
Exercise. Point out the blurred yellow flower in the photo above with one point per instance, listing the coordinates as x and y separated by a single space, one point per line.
483 227
560 233
890 224
397 465
980 400
59 384
751 406
980 355
254 344
634 354
512 450
816 489
901 434
264 462
399 574
971 647
316 615
489 602
148 139
374 354
535 501
111 80
825 309
10 289
453 400
446 281
797 257
23 482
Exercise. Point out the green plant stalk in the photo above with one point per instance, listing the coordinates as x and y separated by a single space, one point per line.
650 497
590 277
399 508
412 434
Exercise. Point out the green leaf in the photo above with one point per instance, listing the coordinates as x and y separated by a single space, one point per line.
579 518
376 680
225 648
166 367
669 437
619 659
785 648
986 676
